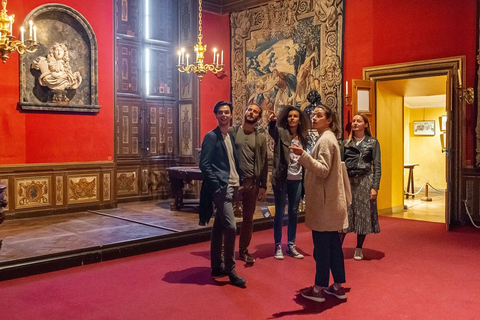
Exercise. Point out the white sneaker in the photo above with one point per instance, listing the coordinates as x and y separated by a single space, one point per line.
278 252
358 254
292 252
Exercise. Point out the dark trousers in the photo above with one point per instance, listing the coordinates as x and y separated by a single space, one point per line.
249 194
224 231
328 254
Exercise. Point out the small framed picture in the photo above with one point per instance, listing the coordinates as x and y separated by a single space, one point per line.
443 123
424 128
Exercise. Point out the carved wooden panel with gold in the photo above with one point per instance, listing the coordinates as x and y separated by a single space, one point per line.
127 182
83 188
127 17
32 192
59 190
127 68
107 194
160 128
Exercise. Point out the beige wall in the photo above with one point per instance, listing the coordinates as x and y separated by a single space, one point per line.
426 151
390 135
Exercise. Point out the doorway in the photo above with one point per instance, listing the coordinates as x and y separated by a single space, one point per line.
421 104
391 128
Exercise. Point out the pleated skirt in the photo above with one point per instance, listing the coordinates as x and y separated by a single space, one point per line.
363 213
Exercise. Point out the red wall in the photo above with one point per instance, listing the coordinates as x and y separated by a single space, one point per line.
387 32
216 34
49 137
410 30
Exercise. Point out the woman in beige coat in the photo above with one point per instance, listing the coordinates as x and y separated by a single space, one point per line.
326 205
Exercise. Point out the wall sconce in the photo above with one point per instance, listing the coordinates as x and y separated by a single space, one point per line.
348 99
464 93
8 44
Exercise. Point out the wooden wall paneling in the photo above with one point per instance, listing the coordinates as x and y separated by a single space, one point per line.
160 130
129 59
128 128
162 20
161 68
127 17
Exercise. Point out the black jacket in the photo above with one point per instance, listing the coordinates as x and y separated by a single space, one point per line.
362 159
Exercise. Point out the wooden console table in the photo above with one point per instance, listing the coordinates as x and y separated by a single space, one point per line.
178 176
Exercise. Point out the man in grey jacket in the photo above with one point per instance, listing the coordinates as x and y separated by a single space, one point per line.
251 146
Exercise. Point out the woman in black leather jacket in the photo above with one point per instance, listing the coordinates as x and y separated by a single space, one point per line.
361 154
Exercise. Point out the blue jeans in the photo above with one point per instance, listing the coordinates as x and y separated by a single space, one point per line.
292 188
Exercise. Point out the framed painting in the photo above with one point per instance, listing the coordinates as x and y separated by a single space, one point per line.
424 128
443 123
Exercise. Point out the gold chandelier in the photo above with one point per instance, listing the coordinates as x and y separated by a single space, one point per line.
198 66
8 44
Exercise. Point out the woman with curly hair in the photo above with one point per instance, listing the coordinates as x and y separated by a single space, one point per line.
291 127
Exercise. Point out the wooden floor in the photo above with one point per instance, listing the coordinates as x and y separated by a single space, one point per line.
417 209
50 237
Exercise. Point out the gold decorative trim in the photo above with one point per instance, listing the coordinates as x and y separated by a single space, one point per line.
83 188
59 190
106 187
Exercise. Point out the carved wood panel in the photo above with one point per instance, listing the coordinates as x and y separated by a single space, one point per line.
127 17
128 128
160 128
128 68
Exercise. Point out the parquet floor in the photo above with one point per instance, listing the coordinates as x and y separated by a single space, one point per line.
49 235
417 209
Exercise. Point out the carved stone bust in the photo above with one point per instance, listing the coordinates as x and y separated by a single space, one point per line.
56 72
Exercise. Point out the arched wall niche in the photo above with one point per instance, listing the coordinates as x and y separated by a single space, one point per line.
57 23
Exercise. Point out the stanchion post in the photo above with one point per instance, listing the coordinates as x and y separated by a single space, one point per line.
426 198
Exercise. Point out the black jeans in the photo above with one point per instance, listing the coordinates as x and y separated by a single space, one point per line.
328 254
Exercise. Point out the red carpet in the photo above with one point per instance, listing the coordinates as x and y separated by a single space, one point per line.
413 270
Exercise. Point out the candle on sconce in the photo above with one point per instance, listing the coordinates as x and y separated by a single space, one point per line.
183 55
11 24
30 29
459 77
22 32
218 54
346 88
187 58
222 58
35 33
214 54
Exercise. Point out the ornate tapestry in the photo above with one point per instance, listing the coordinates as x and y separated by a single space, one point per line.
283 50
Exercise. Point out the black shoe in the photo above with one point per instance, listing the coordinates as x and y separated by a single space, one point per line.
236 280
247 257
219 273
